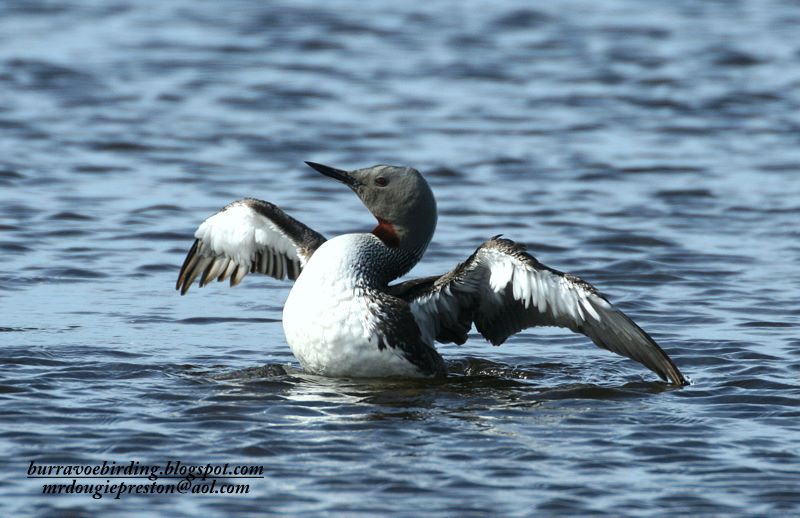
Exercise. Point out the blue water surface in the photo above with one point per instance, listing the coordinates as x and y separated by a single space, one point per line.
652 148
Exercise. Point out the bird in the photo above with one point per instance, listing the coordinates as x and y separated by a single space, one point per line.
344 316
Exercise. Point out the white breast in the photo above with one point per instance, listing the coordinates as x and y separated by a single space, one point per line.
327 321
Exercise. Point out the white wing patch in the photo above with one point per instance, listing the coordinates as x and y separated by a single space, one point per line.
248 236
239 232
537 288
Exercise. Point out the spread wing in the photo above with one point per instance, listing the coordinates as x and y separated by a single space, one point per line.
502 289
248 236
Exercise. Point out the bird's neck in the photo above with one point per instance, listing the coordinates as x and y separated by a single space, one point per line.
404 247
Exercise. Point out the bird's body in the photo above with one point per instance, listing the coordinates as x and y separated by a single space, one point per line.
343 338
344 318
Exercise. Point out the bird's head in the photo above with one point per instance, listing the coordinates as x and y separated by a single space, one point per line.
398 197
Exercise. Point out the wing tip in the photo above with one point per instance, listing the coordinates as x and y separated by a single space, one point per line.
674 375
191 255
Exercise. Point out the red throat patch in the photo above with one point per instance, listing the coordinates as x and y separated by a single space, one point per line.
386 233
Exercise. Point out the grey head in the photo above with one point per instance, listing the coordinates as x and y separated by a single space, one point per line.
401 201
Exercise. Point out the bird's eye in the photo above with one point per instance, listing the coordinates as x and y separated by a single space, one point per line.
381 181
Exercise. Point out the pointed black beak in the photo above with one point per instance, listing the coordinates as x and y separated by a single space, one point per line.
336 174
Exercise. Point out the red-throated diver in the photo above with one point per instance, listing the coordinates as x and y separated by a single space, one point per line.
343 318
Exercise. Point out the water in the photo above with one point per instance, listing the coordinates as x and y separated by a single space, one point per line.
652 148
